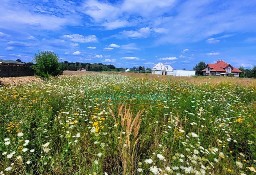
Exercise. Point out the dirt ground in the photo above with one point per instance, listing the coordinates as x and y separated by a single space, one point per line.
10 81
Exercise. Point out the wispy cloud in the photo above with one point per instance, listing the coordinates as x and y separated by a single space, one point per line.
108 60
18 44
81 39
213 41
131 58
115 24
98 56
91 47
213 54
185 50
2 35
108 48
76 53
74 44
114 45
141 33
119 14
9 48
209 21
168 58
131 46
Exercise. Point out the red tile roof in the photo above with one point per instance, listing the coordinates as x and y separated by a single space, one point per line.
220 67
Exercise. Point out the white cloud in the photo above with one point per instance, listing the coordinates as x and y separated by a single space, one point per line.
113 16
100 11
114 45
160 30
18 44
81 39
131 46
250 66
213 41
185 50
74 44
31 37
141 33
131 58
12 17
108 48
109 60
76 53
169 58
110 25
98 56
9 48
91 47
147 8
213 53
2 34
197 21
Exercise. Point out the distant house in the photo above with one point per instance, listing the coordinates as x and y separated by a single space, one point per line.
10 62
11 68
221 68
127 70
161 69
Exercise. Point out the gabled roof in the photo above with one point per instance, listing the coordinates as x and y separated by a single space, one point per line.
159 66
162 67
220 67
168 68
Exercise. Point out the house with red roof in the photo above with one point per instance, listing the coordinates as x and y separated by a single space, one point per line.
221 68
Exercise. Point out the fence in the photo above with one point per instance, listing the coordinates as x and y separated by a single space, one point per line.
15 70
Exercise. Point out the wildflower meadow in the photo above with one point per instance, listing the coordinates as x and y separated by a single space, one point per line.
115 124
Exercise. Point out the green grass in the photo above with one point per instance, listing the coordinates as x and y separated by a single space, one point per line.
65 126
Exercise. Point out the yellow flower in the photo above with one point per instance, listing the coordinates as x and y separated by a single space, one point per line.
229 170
240 120
96 126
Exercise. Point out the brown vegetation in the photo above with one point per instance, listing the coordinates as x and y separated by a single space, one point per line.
18 80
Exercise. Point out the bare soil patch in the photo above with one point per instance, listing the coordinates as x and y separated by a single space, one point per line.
14 81
10 81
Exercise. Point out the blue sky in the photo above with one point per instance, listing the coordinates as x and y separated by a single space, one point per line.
129 33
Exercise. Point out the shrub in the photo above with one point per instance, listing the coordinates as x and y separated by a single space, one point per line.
47 64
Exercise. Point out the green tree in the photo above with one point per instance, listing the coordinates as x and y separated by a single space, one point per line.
254 72
243 72
47 64
199 67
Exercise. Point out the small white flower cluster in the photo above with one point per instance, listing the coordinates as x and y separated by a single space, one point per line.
45 147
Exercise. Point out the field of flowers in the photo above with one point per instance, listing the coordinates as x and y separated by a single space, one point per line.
120 124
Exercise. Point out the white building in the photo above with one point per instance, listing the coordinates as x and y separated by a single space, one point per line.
184 73
127 70
161 69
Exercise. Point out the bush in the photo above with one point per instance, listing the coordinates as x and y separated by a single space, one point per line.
47 64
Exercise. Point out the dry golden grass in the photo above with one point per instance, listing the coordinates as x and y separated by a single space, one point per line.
129 137
18 80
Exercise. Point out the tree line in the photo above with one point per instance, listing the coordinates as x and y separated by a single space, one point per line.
88 66
47 64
